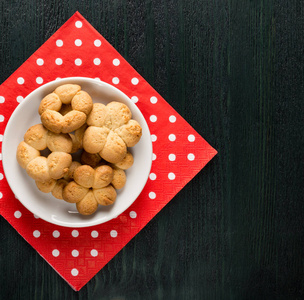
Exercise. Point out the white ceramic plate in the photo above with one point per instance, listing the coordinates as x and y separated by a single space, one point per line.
46 206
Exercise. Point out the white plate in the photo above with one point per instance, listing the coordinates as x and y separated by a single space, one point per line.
46 206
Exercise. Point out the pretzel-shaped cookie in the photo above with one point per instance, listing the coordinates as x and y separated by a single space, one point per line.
50 106
111 130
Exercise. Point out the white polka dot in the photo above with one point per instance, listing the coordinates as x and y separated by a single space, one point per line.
2 99
78 62
1 137
172 119
75 233
172 137
134 81
58 78
133 214
78 42
134 99
20 80
94 252
0 156
59 43
36 217
97 61
58 61
152 195
39 80
152 176
75 253
36 233
94 234
153 137
56 234
97 43
78 24
1 118
191 156
172 157
154 156
74 272
115 80
153 118
97 78
171 176
116 62
19 99
40 61
191 138
113 233
1 195
55 252
153 100
17 214
1 176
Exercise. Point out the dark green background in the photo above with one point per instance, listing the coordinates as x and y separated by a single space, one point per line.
234 70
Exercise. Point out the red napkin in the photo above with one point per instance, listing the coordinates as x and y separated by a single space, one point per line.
179 152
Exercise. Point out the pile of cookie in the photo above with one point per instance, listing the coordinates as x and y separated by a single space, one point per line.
79 152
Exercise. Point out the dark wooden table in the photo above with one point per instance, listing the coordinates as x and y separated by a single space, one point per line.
234 70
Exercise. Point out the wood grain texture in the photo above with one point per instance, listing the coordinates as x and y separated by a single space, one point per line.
234 70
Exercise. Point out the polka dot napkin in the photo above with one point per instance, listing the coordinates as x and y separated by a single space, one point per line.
179 152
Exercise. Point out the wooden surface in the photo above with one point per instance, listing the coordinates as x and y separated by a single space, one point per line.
234 70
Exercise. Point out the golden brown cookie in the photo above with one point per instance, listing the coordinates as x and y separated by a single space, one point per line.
88 205
36 136
58 188
38 169
70 174
114 149
105 196
25 154
66 92
94 139
59 142
119 178
74 192
99 116
50 101
126 163
46 186
130 133
77 104
82 101
58 164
